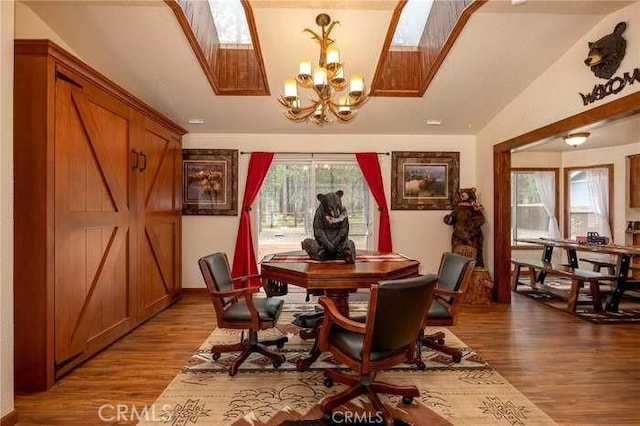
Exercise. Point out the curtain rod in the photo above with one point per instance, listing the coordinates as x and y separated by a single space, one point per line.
313 153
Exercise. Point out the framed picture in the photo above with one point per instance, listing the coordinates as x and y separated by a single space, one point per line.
424 180
210 182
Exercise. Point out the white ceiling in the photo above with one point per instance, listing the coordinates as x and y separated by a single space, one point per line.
139 45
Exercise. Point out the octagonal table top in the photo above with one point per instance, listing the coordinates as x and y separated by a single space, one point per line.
370 267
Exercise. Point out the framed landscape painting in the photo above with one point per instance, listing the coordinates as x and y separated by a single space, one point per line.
424 180
210 182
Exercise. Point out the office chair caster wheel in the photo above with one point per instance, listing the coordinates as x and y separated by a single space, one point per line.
457 358
420 365
407 400
280 345
215 356
328 382
276 364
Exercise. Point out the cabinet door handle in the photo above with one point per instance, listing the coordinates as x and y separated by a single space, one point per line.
134 159
144 162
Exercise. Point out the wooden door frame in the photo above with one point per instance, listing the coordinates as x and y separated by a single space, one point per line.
596 117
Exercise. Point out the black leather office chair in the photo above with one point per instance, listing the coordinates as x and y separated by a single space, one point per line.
454 277
238 309
387 337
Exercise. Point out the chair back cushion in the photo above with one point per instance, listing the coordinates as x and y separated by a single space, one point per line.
400 309
217 275
452 271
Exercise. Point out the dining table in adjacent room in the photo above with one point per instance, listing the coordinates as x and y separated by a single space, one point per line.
623 255
335 279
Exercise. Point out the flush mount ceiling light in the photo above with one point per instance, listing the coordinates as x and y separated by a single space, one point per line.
328 80
575 139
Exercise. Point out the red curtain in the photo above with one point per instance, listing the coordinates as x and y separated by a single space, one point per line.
244 258
368 162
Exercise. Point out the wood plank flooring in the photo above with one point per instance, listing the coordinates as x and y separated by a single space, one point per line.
577 372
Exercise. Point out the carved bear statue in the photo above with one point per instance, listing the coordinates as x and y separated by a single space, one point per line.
606 54
330 231
467 219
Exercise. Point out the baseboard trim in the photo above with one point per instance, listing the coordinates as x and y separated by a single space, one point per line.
9 419
198 291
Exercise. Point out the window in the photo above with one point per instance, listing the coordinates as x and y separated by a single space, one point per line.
231 22
411 24
534 204
288 201
589 198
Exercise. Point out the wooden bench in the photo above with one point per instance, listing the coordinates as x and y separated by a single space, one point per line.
578 278
599 264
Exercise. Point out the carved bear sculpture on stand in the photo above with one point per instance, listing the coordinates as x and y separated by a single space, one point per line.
467 219
330 231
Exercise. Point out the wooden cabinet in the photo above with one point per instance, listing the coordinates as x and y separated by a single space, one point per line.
634 181
97 213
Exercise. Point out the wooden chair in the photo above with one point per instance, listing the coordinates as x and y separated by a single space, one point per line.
454 277
238 309
382 341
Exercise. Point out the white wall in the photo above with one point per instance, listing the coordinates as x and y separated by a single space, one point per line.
30 26
419 234
6 207
554 96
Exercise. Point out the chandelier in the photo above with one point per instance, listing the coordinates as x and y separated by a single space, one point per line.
328 81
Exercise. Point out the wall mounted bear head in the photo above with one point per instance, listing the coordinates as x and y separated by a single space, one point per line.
606 54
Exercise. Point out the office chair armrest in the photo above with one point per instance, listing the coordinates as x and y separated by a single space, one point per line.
237 292
333 315
246 278
443 292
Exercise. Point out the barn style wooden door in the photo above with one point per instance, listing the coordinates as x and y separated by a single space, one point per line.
92 218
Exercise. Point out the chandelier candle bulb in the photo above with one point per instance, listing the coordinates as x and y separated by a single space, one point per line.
333 57
343 106
290 90
305 67
356 86
320 77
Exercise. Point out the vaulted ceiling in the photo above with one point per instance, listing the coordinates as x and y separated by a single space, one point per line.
501 49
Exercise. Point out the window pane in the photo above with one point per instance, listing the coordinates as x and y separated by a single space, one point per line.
230 21
582 217
529 218
283 221
412 22
288 201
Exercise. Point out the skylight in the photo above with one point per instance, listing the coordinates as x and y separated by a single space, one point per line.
231 22
412 22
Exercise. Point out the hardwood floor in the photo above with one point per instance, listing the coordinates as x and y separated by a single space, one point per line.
577 372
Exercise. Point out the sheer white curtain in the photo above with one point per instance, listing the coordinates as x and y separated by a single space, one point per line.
546 186
598 187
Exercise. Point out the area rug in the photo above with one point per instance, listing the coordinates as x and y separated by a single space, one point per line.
468 393
554 294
